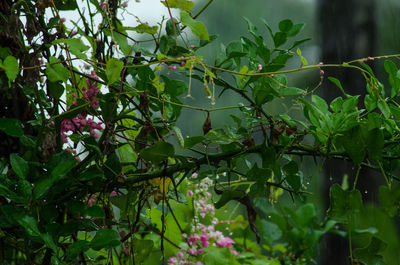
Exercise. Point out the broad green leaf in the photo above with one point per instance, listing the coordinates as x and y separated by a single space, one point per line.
19 165
197 27
49 242
75 46
158 152
369 255
76 248
143 248
294 181
279 39
218 256
55 71
370 102
113 70
305 215
389 199
12 127
56 89
105 238
384 108
10 65
344 204
375 144
219 136
296 29
192 141
174 87
145 28
62 169
285 25
95 211
185 5
227 196
29 223
285 91
354 143
320 103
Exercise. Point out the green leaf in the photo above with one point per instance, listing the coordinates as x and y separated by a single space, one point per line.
192 141
75 46
113 70
185 5
296 29
56 89
55 71
305 215
219 136
105 238
285 91
394 80
197 27
12 127
227 196
174 87
76 248
218 256
302 59
19 165
145 28
370 102
158 152
344 204
279 39
354 143
369 255
29 223
10 65
143 248
338 84
389 199
375 143
320 103
95 211
285 25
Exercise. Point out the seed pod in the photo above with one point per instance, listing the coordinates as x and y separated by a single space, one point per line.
207 124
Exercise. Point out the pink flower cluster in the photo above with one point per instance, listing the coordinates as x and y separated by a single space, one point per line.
202 236
81 121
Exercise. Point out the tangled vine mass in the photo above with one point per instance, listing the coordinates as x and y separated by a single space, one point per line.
97 166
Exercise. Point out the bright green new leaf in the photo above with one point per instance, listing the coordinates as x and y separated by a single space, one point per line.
179 136
302 59
113 70
19 165
10 65
12 127
185 5
197 27
285 25
55 71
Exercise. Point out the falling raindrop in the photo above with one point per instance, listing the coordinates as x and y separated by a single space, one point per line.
365 191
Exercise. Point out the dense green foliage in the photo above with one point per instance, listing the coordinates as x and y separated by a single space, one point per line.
94 168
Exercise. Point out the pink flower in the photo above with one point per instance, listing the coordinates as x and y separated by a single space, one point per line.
189 193
225 242
62 19
192 251
259 68
124 4
113 193
195 175
179 255
235 253
204 240
192 239
172 261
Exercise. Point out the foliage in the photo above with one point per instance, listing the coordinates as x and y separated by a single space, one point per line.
95 167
